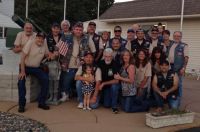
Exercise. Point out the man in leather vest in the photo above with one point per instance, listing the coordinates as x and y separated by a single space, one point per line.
141 43
53 65
96 39
178 57
165 86
78 45
118 32
154 38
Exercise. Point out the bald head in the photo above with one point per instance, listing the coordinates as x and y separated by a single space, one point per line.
136 27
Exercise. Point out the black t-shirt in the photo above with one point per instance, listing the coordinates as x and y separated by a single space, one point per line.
108 70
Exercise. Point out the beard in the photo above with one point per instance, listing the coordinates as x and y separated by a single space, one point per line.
108 62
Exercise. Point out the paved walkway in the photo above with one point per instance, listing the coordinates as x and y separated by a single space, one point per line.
66 117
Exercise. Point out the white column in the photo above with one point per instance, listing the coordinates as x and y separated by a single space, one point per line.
98 9
26 8
3 32
64 10
182 13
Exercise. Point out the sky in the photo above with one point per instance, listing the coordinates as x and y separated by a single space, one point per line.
122 0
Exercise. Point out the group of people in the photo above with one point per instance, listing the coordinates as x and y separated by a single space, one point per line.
134 74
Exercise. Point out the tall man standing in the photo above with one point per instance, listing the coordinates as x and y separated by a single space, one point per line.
78 44
96 39
178 57
53 65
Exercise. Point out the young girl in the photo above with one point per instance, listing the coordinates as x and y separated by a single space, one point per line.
88 87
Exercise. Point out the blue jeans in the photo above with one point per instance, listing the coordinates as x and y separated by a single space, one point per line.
110 95
79 91
67 80
96 104
44 82
132 104
143 95
180 85
173 103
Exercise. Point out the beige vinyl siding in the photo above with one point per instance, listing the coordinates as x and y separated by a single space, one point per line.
191 36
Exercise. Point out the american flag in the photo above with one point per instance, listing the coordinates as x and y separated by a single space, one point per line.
62 47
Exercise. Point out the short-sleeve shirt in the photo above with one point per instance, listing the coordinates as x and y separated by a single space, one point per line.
73 63
172 49
142 72
108 70
34 53
97 73
22 39
128 45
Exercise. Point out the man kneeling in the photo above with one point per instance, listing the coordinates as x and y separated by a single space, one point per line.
165 85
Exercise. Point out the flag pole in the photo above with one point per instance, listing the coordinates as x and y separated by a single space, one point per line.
64 10
182 13
26 8
98 10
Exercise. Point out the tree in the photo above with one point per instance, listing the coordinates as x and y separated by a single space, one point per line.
45 12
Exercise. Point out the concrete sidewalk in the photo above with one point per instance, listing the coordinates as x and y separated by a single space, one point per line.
66 117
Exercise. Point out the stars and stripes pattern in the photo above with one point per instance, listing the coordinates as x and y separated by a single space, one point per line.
62 47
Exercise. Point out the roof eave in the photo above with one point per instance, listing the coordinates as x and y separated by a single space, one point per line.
149 18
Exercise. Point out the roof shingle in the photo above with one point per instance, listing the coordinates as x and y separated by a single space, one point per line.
151 8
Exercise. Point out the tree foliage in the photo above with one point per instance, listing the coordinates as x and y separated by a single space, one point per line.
45 12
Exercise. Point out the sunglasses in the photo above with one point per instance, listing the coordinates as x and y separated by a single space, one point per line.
118 31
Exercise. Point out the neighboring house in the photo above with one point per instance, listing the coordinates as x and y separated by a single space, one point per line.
6 12
149 12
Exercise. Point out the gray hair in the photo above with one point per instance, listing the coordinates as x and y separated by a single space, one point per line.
65 22
181 33
108 51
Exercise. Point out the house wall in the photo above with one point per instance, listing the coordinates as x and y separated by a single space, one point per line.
191 35
7 7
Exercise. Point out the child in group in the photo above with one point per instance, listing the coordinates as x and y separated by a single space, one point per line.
87 87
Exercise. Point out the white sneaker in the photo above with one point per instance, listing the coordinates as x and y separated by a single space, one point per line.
88 108
84 108
80 105
65 97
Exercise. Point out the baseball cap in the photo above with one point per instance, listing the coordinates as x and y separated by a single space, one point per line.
88 53
92 23
130 30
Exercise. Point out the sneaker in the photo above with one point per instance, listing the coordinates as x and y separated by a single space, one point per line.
115 110
65 97
84 108
88 108
80 106
21 109
44 107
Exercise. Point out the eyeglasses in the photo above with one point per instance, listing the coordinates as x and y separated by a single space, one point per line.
118 31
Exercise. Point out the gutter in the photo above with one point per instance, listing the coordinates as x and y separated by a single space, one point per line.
149 18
